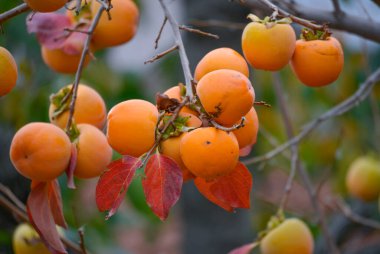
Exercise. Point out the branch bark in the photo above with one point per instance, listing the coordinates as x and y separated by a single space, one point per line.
13 12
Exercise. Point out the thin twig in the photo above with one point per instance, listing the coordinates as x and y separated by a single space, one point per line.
262 103
81 240
354 100
181 48
218 23
228 129
9 194
159 33
14 12
337 9
197 31
85 52
162 54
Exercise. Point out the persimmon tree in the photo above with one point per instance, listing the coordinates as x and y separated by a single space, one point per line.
202 130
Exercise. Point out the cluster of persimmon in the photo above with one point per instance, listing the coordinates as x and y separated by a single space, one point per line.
316 59
114 29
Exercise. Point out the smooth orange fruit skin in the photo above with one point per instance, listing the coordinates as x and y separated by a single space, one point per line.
209 153
268 49
94 152
46 5
226 94
120 29
8 71
319 62
221 58
291 237
89 108
131 127
247 135
175 93
363 178
59 61
40 151
171 146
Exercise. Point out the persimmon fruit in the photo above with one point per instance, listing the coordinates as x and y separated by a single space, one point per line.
131 127
268 46
363 178
227 95
209 153
247 134
94 152
221 58
27 241
40 151
317 63
175 93
290 237
45 6
8 71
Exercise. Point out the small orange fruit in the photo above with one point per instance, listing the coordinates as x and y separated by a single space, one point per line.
221 58
59 61
209 153
175 93
171 146
89 107
268 46
40 151
247 134
94 152
24 241
317 63
45 6
290 237
120 28
227 95
131 127
8 71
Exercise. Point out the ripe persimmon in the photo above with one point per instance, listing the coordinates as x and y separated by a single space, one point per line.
89 107
171 146
247 134
8 73
94 152
175 93
120 28
45 6
221 58
131 127
317 63
268 45
226 95
290 237
209 153
40 151
61 62
363 178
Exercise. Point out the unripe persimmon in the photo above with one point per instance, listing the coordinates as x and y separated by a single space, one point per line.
247 134
268 46
61 62
171 146
290 237
221 58
227 95
89 107
131 127
363 178
317 63
94 152
45 6
120 28
27 241
8 71
209 153
40 151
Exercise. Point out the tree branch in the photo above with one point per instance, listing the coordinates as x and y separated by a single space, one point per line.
13 12
354 100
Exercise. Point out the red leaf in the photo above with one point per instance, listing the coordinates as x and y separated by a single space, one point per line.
49 28
71 168
55 200
234 188
204 187
245 151
162 184
41 218
245 249
114 183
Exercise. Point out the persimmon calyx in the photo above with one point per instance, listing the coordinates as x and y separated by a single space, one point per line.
61 101
311 35
269 22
